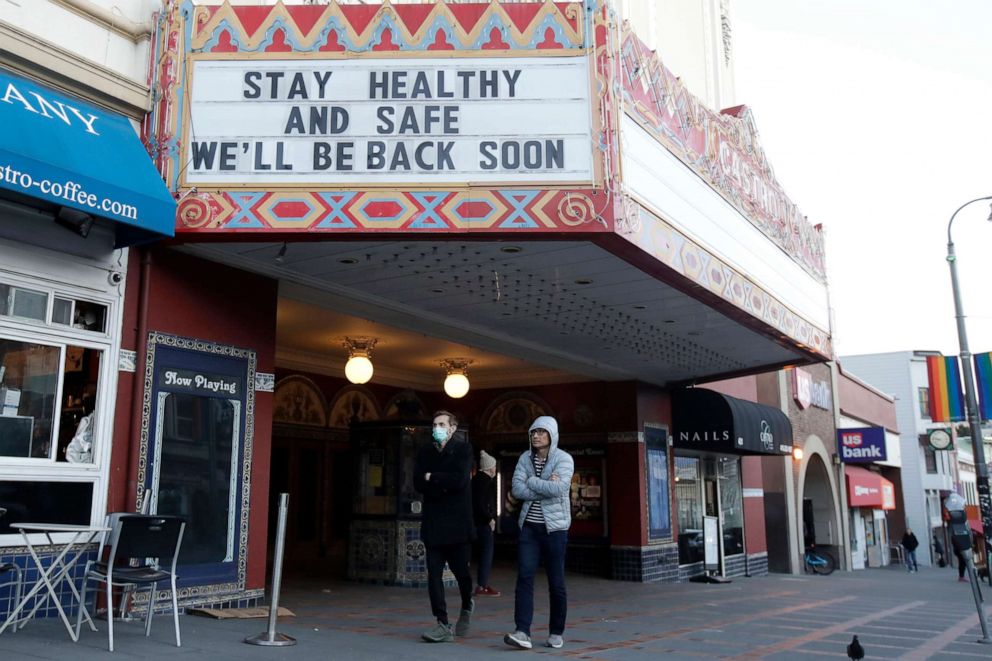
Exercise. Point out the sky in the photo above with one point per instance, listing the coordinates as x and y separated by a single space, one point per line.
876 116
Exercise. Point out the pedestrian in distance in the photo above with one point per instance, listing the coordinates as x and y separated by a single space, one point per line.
442 473
938 550
910 544
962 565
541 482
484 509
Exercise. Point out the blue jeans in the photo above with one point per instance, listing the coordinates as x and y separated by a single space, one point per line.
534 544
911 560
484 537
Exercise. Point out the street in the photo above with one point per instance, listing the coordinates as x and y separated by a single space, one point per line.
896 615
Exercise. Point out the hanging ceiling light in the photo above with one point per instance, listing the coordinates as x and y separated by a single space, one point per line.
456 382
358 369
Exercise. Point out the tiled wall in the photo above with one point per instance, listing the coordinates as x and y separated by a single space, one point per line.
30 576
660 564
389 553
757 564
649 564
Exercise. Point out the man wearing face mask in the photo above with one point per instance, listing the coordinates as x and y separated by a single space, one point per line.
442 473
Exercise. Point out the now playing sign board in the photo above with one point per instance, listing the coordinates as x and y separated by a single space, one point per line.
861 445
376 121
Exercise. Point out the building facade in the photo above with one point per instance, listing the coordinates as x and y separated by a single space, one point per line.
77 188
868 447
521 193
928 475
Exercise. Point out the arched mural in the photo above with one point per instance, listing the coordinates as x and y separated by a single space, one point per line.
298 401
513 412
353 404
406 405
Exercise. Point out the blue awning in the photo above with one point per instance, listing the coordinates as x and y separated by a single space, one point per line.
69 153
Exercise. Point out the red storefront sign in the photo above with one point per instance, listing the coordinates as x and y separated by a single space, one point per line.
868 489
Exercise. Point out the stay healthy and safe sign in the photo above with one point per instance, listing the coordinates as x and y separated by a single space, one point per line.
382 121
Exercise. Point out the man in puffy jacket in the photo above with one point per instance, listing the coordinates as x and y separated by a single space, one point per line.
541 482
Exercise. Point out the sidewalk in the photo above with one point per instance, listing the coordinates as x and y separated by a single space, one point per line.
896 615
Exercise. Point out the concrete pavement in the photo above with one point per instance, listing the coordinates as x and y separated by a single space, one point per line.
897 615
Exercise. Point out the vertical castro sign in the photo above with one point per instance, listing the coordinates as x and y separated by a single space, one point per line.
381 121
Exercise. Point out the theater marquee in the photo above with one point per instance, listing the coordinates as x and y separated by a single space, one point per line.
366 122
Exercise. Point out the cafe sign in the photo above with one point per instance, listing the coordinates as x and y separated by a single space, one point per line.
367 122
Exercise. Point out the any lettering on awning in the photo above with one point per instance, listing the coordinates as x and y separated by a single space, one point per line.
868 489
72 154
709 421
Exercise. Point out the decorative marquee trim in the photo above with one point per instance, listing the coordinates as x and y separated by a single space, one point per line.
187 32
522 210
387 27
722 148
690 260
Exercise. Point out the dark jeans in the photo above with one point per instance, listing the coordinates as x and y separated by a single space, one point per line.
962 563
535 543
484 537
457 557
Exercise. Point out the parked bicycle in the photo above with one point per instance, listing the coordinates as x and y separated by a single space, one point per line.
819 562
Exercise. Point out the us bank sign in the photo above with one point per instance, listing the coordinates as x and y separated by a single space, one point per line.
363 122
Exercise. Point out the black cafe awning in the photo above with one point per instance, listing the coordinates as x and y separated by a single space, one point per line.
709 421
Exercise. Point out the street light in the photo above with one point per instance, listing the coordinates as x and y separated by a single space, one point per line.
977 441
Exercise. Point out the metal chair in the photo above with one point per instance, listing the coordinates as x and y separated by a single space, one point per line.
137 542
18 583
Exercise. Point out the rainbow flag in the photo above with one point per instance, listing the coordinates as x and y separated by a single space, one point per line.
946 400
983 375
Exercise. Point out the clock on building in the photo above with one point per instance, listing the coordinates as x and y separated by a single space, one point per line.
940 439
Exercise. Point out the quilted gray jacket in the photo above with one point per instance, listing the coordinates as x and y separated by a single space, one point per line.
553 494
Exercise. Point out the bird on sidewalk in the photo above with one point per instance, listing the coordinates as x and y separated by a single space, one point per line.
854 650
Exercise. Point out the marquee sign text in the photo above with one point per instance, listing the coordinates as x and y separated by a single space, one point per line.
390 121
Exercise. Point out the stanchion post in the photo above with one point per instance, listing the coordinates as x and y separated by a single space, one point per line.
271 637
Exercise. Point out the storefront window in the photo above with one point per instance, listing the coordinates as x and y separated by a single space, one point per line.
47 402
731 504
689 499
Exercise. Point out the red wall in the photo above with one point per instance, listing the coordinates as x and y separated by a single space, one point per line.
190 297
864 403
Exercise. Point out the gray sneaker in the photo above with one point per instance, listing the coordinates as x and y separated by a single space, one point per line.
441 633
464 623
518 639
555 641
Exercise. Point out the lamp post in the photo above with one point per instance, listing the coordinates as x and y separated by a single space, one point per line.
971 403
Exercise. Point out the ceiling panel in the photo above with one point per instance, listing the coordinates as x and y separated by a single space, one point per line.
567 308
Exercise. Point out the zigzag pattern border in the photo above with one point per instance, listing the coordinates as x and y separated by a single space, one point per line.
690 260
505 210
399 27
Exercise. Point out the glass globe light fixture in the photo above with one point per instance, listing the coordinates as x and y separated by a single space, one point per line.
358 369
456 382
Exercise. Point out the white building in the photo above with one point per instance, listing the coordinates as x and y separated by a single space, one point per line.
927 475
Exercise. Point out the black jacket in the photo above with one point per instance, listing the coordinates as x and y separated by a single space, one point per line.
483 498
909 542
447 515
